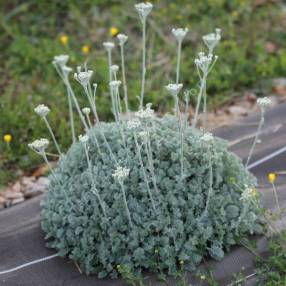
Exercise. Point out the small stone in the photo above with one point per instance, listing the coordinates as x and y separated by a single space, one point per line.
27 180
37 188
279 86
16 187
12 195
17 201
237 110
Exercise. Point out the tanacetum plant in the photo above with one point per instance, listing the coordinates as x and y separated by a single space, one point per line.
145 192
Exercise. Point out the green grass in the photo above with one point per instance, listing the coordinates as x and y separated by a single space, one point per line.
29 36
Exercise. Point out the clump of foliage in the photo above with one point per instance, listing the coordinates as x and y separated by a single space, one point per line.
190 217
146 192
31 32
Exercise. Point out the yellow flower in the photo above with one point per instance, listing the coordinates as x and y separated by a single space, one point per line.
271 178
7 138
234 14
85 49
64 39
113 31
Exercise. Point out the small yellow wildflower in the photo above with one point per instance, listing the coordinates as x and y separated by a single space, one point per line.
64 39
113 31
271 178
7 138
85 49
203 277
234 14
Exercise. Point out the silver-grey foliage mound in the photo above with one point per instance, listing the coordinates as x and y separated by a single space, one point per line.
184 196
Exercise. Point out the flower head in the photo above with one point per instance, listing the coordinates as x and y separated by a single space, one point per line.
180 33
114 85
264 102
39 145
207 137
66 70
203 61
83 138
174 89
143 9
211 40
42 110
64 39
248 193
61 60
7 138
114 68
147 113
85 49
122 39
108 46
113 31
271 177
133 124
83 77
86 110
121 173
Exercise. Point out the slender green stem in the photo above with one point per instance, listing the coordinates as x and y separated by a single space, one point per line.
178 61
94 189
144 171
143 62
43 154
71 116
125 202
256 138
202 87
276 197
124 78
94 136
52 135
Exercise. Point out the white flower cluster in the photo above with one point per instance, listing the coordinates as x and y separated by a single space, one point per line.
121 173
203 61
108 46
122 39
180 33
211 40
83 77
133 124
143 9
247 194
39 145
83 138
147 113
114 85
174 89
114 68
86 110
264 102
207 137
42 110
61 60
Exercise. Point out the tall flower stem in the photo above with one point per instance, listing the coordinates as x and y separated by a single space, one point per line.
125 202
144 171
71 116
210 180
178 61
43 154
124 78
94 189
93 135
276 197
201 92
256 138
143 62
52 134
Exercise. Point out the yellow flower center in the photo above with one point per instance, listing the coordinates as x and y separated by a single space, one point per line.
271 177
